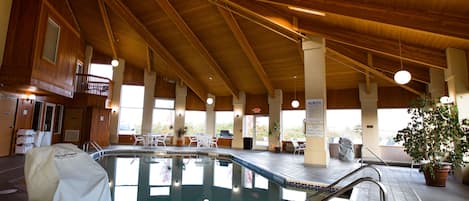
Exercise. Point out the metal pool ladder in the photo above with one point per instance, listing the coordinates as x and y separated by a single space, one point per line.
95 145
383 192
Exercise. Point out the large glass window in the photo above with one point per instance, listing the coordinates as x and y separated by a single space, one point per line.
389 122
102 70
131 110
344 123
163 116
224 121
293 124
195 122
126 183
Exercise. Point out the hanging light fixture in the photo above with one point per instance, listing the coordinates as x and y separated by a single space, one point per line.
209 100
295 103
115 62
402 76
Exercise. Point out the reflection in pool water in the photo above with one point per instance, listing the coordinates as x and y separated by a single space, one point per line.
201 178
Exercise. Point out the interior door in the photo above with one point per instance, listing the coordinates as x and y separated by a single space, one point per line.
257 127
7 118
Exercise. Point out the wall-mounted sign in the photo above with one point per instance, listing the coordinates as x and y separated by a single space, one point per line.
256 110
314 118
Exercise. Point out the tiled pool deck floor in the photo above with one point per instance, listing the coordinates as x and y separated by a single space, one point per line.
403 184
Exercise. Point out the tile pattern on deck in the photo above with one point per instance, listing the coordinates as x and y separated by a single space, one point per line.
403 184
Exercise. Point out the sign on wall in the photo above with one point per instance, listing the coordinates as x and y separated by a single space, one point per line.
314 118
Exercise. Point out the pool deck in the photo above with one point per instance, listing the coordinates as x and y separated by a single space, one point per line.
403 184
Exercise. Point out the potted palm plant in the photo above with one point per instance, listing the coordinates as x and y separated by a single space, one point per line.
435 138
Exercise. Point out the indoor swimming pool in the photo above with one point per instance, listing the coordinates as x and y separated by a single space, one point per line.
192 177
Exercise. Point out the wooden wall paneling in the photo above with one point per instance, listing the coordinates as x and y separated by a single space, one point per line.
99 131
394 97
164 89
343 99
133 75
289 96
256 101
193 102
223 103
73 118
100 58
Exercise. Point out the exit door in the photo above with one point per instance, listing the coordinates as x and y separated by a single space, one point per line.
7 118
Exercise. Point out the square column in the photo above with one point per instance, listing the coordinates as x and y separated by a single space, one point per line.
275 111
238 110
457 78
317 151
458 87
369 108
148 101
117 79
210 115
180 109
437 85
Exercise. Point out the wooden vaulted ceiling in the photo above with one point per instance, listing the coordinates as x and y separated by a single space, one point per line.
226 46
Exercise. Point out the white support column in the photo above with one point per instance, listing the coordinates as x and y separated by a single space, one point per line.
117 78
369 108
437 84
457 77
317 151
180 109
275 111
88 57
148 101
238 110
5 8
210 115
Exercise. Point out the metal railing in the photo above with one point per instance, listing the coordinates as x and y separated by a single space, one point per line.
92 84
94 145
382 189
355 171
374 154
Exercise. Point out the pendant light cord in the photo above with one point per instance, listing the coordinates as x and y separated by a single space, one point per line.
400 52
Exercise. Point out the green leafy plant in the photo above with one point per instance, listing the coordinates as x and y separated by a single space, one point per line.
434 135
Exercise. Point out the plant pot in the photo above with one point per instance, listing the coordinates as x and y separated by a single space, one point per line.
441 174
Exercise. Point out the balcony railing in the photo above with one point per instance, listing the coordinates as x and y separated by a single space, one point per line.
92 84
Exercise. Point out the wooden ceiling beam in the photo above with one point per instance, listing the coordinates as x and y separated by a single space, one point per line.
243 42
107 25
373 71
122 10
383 64
451 25
197 44
417 54
150 58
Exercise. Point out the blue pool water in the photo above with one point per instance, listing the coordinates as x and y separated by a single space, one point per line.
190 178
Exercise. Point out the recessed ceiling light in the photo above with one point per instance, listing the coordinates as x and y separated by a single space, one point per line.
313 12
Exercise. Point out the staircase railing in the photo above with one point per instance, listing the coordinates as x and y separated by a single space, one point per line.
95 146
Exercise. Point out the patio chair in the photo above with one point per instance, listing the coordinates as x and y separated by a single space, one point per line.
161 139
214 142
138 138
297 148
193 139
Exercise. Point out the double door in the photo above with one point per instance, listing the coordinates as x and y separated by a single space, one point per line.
257 127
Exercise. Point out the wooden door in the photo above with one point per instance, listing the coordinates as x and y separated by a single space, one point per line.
99 131
7 119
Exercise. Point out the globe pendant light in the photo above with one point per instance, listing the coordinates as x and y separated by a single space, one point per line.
115 62
295 103
402 76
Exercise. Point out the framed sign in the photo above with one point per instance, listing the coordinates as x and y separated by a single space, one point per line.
314 118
